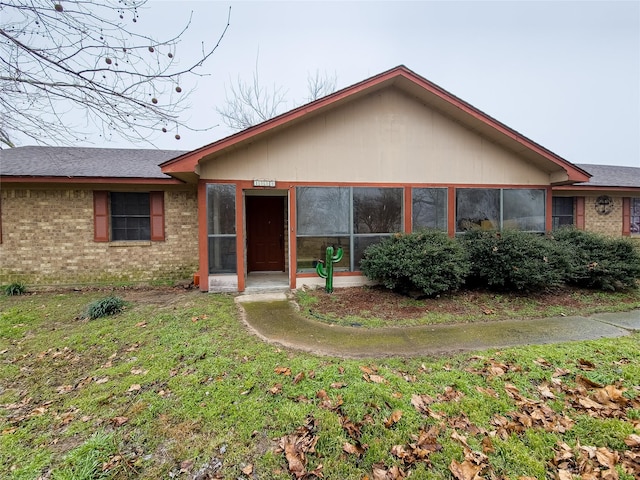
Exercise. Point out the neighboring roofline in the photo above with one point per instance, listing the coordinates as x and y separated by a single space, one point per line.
188 161
612 188
91 180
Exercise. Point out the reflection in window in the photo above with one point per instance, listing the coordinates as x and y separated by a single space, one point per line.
221 225
477 208
347 217
221 209
377 210
323 211
523 209
429 208
497 209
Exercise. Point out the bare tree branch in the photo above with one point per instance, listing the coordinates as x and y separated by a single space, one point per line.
249 103
319 86
78 56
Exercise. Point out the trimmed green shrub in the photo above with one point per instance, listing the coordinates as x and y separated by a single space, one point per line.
427 261
514 261
599 262
104 307
15 288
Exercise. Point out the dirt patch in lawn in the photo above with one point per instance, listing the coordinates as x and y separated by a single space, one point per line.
160 296
380 303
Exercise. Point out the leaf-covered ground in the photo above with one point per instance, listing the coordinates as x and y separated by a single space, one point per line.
174 387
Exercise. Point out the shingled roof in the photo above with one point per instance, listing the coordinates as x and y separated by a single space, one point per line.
611 176
74 162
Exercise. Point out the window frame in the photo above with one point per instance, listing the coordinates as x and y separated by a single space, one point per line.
438 208
102 218
130 215
500 208
352 235
222 234
555 217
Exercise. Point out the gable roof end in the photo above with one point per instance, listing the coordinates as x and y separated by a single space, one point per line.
560 170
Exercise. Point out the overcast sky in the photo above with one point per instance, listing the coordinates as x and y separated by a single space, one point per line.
565 74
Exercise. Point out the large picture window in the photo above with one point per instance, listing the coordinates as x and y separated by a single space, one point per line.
221 228
348 217
497 209
429 208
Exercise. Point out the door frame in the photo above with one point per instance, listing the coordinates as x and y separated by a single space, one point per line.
284 195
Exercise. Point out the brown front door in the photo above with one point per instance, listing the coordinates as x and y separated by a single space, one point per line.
265 234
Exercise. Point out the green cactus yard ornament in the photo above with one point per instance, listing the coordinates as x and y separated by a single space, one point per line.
325 269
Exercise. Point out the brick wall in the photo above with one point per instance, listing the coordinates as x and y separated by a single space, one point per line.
47 239
610 224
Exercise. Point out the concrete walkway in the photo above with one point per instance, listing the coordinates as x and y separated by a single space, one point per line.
275 319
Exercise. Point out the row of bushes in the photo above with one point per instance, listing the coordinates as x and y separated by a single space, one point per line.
431 262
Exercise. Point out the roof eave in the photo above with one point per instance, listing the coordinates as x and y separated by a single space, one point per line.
90 180
411 82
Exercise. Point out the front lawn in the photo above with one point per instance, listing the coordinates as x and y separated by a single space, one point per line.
175 387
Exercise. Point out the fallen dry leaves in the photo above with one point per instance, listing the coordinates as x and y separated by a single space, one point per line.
297 445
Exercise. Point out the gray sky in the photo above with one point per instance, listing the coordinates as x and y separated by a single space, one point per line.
565 74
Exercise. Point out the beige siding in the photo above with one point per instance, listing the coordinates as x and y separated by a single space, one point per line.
385 137
47 239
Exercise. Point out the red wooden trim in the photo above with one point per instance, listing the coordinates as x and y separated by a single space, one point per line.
335 274
293 244
286 184
100 216
156 206
93 180
581 188
549 211
0 219
203 237
626 216
451 212
240 243
408 209
580 213
188 161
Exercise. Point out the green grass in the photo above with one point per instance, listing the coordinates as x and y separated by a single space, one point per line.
196 388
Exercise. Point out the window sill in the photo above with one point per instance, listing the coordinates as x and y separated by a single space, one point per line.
130 243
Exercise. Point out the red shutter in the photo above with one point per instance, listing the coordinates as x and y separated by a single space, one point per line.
156 201
626 216
580 213
100 216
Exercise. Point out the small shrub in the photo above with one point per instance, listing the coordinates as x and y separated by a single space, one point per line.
104 307
599 262
15 288
427 261
513 260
